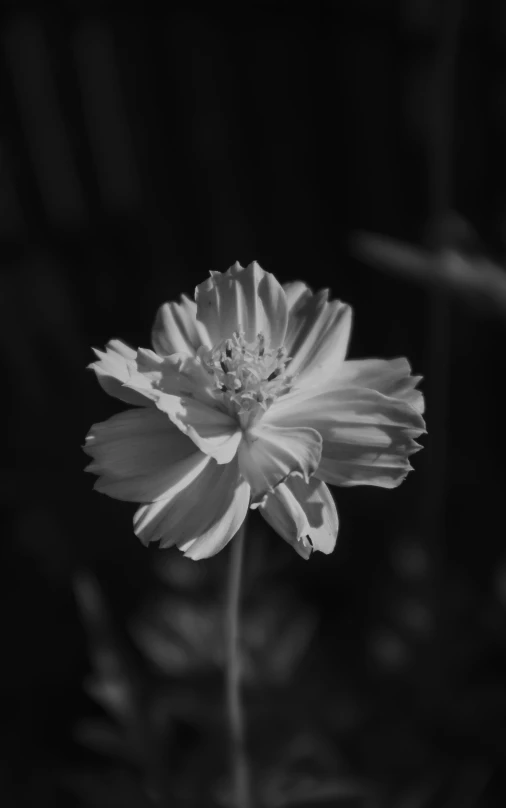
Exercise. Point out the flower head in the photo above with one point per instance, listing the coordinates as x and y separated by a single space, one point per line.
247 400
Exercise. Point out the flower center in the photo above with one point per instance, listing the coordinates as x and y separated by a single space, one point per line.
248 374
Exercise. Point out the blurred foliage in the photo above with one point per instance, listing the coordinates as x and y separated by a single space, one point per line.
137 151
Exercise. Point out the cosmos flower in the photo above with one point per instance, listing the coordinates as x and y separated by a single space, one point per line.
247 400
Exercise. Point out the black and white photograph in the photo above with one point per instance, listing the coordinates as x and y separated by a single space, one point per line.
253 341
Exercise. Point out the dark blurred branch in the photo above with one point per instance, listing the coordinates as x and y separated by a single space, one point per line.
475 278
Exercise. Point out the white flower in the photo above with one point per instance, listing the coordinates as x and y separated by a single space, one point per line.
248 401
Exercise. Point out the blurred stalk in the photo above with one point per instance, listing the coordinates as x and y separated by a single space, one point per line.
440 143
238 757
120 688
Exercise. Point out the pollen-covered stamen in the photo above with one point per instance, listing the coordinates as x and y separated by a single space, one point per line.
249 375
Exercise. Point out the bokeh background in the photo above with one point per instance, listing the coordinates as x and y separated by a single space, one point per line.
138 150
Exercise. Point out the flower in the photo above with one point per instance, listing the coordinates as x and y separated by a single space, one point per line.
247 400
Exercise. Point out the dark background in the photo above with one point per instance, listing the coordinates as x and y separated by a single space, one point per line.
137 152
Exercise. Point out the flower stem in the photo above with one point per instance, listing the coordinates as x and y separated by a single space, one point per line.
238 757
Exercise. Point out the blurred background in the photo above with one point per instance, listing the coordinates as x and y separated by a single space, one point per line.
356 145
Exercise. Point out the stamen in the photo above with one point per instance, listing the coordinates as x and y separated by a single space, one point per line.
248 374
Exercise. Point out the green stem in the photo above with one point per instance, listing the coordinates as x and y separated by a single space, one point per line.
238 756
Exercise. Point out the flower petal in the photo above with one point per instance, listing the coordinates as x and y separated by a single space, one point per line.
392 377
179 387
304 514
176 329
201 517
140 456
338 405
217 536
249 300
145 375
268 454
317 336
211 429
179 374
296 292
284 514
370 440
367 436
114 369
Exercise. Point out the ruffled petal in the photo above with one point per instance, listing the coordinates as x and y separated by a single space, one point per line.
200 518
176 329
317 336
141 456
284 514
392 377
249 300
179 374
296 292
217 536
179 387
268 454
211 429
329 407
367 436
304 514
170 404
113 370
368 439
145 376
